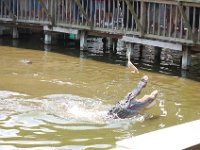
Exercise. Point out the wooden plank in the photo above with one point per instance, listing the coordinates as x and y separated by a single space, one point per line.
170 22
156 43
192 2
84 13
164 28
169 39
135 17
177 137
22 25
154 17
103 34
10 12
144 15
195 48
46 11
176 20
148 19
186 22
199 27
60 29
159 8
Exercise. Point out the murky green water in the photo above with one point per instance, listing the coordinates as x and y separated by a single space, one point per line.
59 100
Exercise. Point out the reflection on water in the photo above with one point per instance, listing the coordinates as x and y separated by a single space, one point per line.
60 99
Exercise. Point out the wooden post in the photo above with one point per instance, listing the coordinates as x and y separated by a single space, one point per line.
15 43
129 47
1 32
15 34
114 45
110 43
186 58
47 38
83 40
143 18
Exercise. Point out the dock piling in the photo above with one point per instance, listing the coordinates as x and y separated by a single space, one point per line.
83 40
15 33
186 58
47 38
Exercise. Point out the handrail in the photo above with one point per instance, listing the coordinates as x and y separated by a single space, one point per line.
167 20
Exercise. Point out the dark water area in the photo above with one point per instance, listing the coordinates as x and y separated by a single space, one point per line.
56 96
95 52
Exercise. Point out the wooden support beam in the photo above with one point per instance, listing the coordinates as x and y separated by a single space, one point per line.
180 7
83 40
46 11
186 58
60 29
15 33
84 13
104 34
47 38
141 28
10 12
143 18
157 43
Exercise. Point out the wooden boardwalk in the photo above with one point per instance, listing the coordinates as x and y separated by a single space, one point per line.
179 137
171 24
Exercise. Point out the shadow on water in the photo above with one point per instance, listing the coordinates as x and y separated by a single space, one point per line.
71 47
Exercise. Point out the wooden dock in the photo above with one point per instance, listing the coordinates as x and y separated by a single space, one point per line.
179 137
173 24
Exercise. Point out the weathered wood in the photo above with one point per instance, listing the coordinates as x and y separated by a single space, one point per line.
83 40
138 13
143 15
46 11
186 22
148 20
15 34
103 34
186 58
84 13
61 30
153 43
187 2
135 17
10 12
47 38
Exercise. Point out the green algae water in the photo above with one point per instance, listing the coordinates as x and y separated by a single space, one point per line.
59 100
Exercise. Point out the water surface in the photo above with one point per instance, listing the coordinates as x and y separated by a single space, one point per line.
60 99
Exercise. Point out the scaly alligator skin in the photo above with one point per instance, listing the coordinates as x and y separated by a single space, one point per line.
130 106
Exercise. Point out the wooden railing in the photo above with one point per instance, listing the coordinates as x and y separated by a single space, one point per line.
167 20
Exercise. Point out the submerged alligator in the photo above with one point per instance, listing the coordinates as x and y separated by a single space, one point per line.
130 106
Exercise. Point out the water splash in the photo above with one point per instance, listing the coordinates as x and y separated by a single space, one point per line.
66 106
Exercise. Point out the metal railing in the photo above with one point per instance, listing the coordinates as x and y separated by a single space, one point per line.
175 21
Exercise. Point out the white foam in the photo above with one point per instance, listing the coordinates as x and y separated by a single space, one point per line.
6 94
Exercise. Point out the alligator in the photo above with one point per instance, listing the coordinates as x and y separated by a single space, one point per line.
130 106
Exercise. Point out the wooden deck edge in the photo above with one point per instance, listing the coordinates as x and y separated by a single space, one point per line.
133 39
183 136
